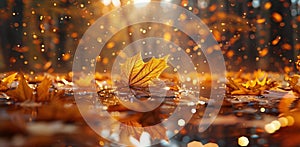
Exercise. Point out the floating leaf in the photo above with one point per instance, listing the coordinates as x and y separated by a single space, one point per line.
137 73
23 92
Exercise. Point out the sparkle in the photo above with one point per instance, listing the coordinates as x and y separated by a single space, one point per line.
181 122
243 141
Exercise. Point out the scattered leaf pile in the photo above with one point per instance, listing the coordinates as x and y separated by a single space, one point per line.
24 92
138 76
255 84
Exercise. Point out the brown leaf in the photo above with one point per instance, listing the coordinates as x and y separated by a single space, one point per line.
131 128
42 91
294 83
137 73
285 104
157 132
23 92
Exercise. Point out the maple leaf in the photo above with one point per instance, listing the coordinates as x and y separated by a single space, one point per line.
137 73
23 92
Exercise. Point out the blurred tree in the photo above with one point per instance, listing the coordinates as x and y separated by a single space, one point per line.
10 33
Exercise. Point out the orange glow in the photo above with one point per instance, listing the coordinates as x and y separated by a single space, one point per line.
110 45
268 5
167 36
277 17
212 8
286 46
261 20
230 54
276 40
263 52
217 35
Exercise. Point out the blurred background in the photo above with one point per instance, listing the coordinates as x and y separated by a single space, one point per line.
42 36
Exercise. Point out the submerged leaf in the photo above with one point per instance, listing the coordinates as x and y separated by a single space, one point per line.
137 73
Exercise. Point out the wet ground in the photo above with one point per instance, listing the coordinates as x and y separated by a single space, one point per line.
62 125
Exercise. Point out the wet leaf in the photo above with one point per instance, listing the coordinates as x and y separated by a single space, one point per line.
23 92
137 73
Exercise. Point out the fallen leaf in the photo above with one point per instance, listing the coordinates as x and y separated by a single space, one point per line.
9 79
137 73
23 92
285 105
42 91
252 85
6 82
294 83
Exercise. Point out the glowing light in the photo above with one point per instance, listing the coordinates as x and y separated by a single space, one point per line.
262 110
106 2
255 3
193 111
243 141
195 144
276 124
141 3
291 120
167 88
116 3
181 122
283 121
277 17
270 128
